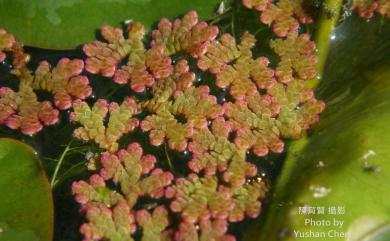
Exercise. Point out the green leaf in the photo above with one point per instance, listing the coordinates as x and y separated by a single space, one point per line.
345 162
67 24
26 206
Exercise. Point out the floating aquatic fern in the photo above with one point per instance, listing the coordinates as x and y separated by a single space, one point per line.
222 186
180 69
267 100
267 105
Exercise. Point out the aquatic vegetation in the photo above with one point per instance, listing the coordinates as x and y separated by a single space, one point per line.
267 104
283 15
265 101
366 8
297 57
246 74
154 224
103 57
93 127
137 177
112 224
63 81
222 186
384 8
22 168
21 109
187 34
6 42
191 89
209 230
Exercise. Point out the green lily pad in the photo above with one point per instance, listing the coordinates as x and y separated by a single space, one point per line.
67 24
335 183
26 206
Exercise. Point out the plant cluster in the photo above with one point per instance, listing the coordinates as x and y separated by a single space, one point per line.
263 105
366 8
264 102
21 109
285 16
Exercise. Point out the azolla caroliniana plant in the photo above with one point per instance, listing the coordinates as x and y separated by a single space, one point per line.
182 73
366 8
21 109
182 113
221 187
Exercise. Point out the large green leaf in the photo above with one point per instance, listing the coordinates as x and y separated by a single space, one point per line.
26 207
65 24
345 162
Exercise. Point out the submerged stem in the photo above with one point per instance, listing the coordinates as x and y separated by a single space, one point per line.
59 163
168 158
328 19
219 17
232 25
68 171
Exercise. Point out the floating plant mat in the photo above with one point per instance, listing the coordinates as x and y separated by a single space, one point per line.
343 166
137 90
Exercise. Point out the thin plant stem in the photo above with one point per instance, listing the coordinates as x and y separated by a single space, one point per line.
79 152
58 166
69 170
259 30
115 89
382 22
218 18
232 25
168 158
